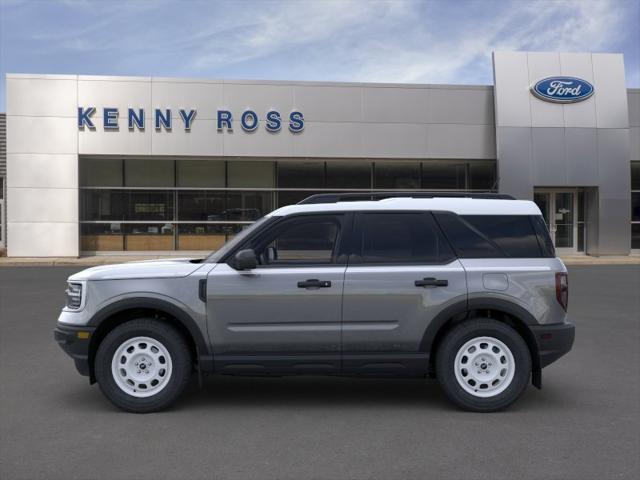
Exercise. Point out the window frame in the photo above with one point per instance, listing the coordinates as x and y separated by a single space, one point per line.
355 254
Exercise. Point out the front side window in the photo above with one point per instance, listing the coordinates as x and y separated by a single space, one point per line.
301 241
397 238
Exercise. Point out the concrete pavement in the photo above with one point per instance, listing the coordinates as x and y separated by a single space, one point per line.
584 424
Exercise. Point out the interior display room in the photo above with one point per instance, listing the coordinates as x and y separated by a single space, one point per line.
120 165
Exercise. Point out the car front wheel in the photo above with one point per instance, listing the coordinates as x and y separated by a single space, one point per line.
483 365
143 365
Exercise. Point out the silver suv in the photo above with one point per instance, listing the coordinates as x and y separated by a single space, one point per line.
464 288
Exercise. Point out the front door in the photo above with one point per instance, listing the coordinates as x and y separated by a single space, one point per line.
559 209
284 315
401 274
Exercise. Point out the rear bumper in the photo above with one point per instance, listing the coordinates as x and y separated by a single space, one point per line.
553 341
75 343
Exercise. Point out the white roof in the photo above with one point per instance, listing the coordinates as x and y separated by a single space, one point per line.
461 206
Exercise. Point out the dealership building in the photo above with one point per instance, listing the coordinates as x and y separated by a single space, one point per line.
118 165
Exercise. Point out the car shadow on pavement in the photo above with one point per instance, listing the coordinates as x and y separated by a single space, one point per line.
317 392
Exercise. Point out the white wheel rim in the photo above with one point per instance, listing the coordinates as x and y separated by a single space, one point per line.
141 367
484 367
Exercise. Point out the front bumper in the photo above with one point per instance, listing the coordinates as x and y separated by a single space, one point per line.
553 341
75 342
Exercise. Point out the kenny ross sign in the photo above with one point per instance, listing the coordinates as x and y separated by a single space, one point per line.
562 89
163 119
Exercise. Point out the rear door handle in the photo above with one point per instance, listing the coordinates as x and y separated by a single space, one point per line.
314 283
431 282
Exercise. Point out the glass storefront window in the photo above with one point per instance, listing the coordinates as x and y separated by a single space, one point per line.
149 173
200 205
184 200
300 174
101 237
443 176
397 175
356 174
103 204
150 205
635 236
635 175
635 206
101 172
150 237
482 176
251 174
205 236
223 206
201 173
247 206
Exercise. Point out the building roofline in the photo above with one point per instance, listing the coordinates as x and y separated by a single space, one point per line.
120 78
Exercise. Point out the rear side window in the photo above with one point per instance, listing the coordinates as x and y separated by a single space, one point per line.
468 242
397 238
491 236
544 239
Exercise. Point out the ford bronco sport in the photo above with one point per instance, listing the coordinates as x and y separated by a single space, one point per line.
464 288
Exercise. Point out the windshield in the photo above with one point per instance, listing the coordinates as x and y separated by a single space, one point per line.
215 256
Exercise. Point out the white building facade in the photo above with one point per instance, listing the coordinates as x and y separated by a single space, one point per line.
138 164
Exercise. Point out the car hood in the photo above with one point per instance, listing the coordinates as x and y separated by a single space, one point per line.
172 268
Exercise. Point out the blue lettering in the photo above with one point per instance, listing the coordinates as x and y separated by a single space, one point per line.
84 117
273 123
163 120
187 118
296 122
136 120
249 121
224 120
110 118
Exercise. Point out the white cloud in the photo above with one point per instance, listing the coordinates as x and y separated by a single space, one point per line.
408 41
282 27
354 40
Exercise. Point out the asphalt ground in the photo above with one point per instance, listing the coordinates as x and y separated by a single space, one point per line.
583 424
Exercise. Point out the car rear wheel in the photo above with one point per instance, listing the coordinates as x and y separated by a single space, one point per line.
143 365
483 365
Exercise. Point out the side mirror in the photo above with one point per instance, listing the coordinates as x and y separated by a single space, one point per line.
245 260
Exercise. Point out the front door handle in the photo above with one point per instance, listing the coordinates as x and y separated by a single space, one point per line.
314 283
431 282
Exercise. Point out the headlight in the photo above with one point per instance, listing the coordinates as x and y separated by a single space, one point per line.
74 295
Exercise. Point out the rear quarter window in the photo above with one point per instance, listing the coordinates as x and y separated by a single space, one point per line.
492 236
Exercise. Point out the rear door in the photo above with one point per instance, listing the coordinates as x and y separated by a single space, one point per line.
285 314
401 274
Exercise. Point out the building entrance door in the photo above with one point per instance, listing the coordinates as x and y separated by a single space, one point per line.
563 212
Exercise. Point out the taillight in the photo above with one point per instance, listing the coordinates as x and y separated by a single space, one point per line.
562 289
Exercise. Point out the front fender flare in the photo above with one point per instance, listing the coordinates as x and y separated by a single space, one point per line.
203 351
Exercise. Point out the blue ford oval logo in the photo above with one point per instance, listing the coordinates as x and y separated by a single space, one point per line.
562 89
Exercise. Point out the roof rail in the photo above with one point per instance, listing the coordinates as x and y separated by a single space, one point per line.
364 196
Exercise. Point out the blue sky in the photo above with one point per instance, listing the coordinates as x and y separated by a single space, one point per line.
357 40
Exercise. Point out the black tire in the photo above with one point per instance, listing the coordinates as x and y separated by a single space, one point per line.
181 365
456 338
